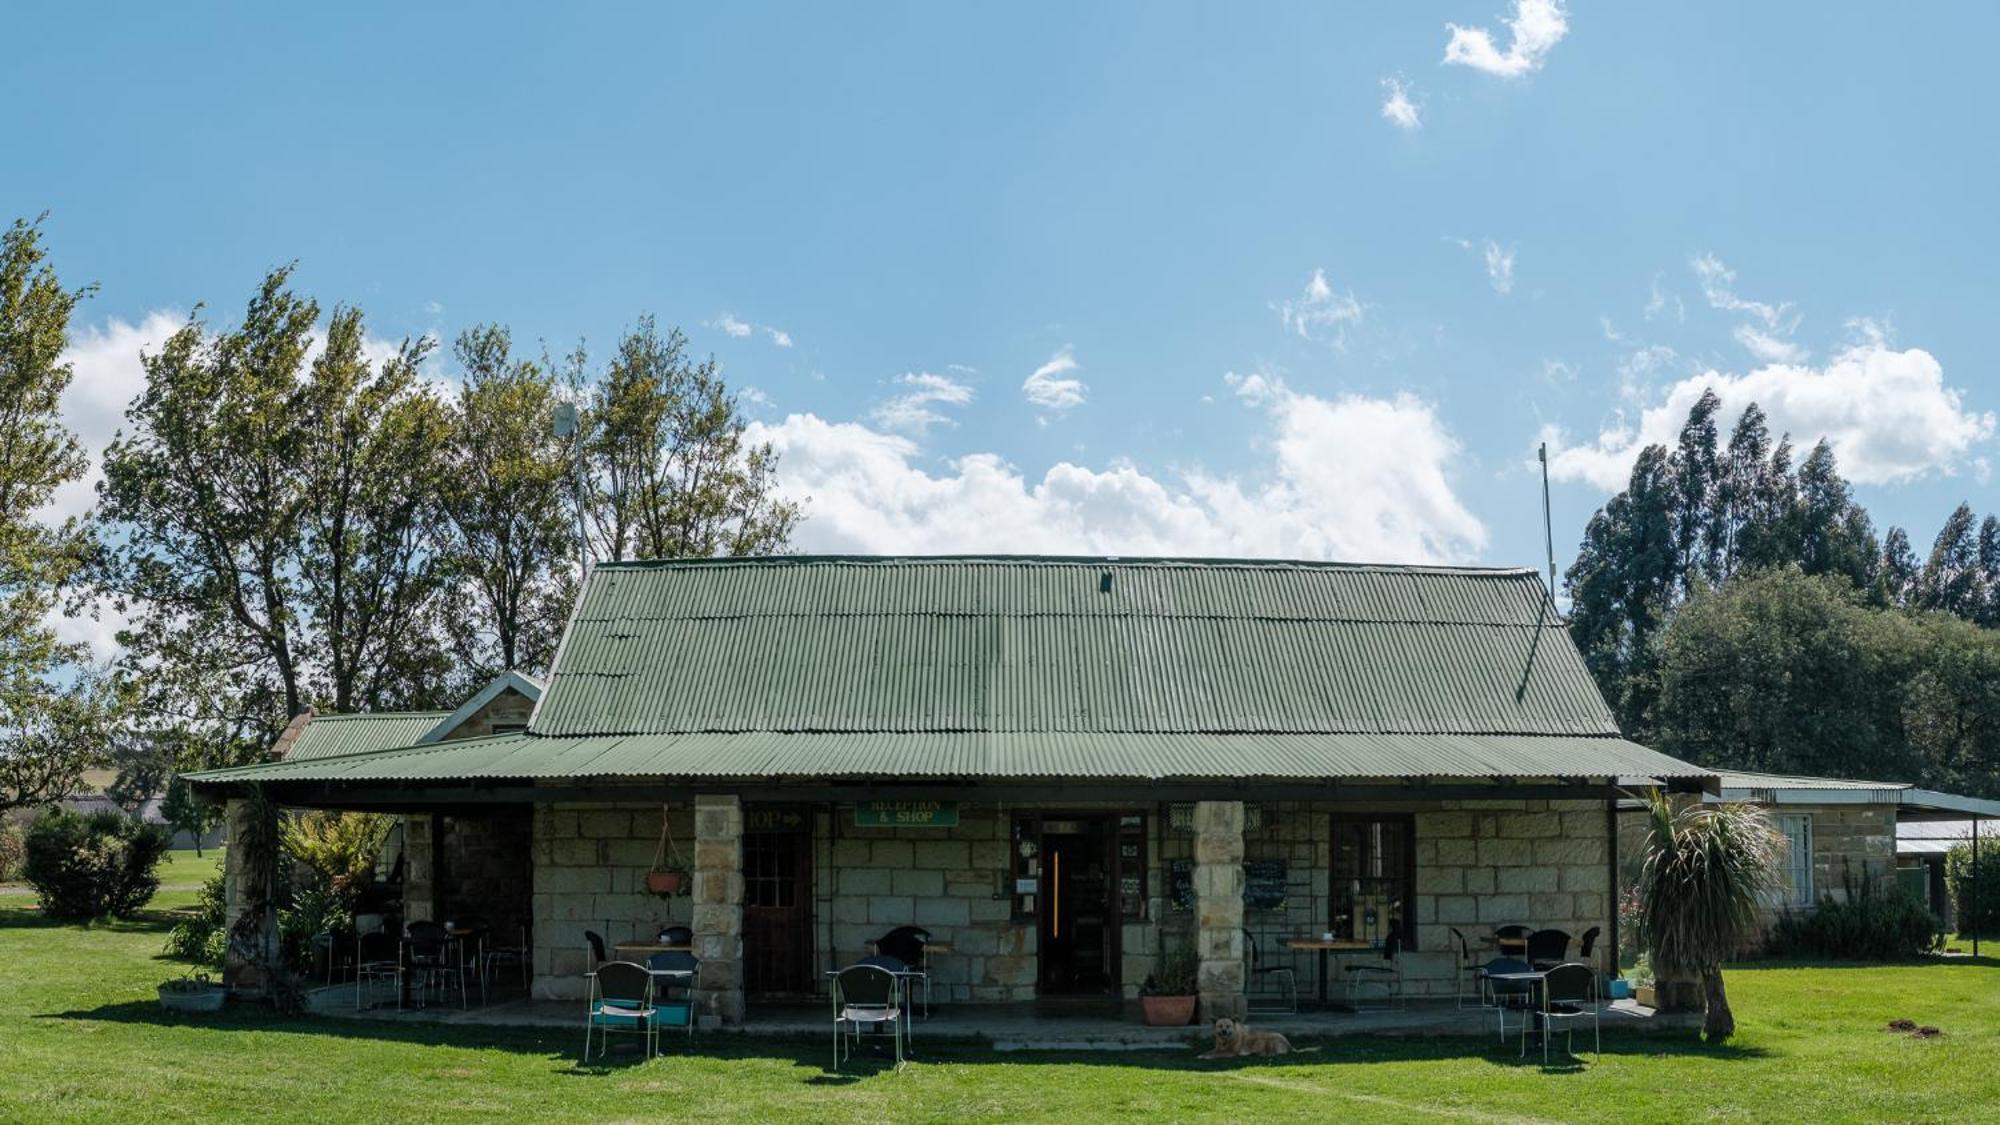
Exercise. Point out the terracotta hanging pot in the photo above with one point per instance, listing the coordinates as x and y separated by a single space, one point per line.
670 881
669 876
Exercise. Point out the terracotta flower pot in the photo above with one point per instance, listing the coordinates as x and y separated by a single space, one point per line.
1167 1011
666 882
1647 996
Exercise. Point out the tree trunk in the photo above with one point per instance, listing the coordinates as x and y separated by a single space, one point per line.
1719 1023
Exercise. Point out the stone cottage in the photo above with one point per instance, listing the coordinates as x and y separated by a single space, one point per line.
1063 768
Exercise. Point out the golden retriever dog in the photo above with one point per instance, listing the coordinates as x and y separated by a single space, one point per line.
1237 1041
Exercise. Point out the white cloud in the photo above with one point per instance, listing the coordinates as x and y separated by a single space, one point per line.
1659 300
729 324
778 336
107 376
1320 313
914 409
1535 28
1768 348
1888 414
1717 281
1398 109
1347 478
755 396
1499 267
734 326
1050 387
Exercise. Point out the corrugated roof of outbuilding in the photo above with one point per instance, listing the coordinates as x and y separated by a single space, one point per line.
329 736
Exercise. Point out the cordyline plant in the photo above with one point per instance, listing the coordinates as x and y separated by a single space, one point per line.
1706 868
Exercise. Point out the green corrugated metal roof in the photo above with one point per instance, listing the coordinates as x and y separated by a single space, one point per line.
327 736
1006 755
1065 645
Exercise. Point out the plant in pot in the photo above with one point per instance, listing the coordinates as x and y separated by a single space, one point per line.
669 876
1168 996
1641 976
194 993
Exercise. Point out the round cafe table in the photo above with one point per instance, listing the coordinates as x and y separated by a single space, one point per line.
1327 947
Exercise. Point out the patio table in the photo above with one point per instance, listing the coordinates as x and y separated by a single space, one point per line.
1325 947
645 949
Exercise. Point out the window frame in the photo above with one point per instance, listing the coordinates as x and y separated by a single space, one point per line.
1406 877
1799 890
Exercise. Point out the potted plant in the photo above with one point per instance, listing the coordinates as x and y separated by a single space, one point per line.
669 876
1641 975
1168 996
192 994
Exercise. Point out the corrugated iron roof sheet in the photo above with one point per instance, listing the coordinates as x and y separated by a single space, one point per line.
1066 645
328 736
992 755
1732 779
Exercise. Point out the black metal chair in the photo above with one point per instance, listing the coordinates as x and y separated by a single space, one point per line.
1589 943
519 955
1469 970
1388 973
597 956
1569 994
1257 970
376 958
911 946
867 996
1503 994
674 971
1548 948
1511 935
427 955
676 935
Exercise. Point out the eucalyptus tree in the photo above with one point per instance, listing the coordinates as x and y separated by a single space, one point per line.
55 716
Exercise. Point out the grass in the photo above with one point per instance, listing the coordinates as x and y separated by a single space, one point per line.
85 1039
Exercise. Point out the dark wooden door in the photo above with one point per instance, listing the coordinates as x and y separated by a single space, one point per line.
1079 923
777 902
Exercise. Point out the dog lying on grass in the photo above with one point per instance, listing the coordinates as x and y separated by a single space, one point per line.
1237 1041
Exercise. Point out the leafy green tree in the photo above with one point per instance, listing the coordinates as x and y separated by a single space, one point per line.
55 717
1698 526
1951 581
1834 533
185 812
1989 571
671 475
272 513
1706 868
1622 587
1896 575
511 537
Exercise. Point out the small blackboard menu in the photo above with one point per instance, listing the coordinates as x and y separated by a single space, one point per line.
1264 884
1180 885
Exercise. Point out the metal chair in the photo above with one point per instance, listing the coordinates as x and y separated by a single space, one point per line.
871 996
1502 994
674 970
1589 943
1514 935
1255 969
620 1000
1470 971
1548 948
1389 974
911 946
1569 994
676 935
521 956
376 958
596 941
427 955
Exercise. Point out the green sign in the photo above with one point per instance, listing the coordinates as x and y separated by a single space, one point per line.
906 814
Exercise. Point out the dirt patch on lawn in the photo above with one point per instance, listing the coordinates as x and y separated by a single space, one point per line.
1912 1029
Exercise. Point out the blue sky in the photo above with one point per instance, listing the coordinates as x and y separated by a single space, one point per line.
1276 308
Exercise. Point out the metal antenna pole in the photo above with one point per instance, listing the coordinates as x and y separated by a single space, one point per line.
569 425
1548 526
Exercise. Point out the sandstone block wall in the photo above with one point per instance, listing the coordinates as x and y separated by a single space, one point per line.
590 865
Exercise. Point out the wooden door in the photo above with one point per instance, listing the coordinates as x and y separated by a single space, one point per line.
777 902
1079 917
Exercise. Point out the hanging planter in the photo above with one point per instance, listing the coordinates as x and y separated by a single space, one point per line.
669 876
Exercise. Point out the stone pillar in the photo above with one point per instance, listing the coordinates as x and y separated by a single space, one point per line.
1218 890
243 962
718 905
234 812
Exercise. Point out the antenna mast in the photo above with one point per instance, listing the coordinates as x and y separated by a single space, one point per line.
1548 527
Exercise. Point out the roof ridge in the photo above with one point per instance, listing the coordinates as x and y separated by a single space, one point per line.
1005 559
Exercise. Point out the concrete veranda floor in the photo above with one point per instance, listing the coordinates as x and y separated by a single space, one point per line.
1006 1027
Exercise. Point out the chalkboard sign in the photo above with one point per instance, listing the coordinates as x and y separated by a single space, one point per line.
1180 885
1264 884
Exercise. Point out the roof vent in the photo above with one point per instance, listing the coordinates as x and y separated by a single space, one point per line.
1104 583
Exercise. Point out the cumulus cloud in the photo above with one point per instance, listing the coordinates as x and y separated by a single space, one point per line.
1718 283
1319 313
1768 348
778 336
1347 478
914 408
1051 386
1535 28
734 327
1499 267
1888 414
1398 109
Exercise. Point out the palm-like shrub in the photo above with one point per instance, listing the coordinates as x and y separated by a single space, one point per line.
338 847
1705 868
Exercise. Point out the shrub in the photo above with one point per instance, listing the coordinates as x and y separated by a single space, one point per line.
339 848
95 866
13 850
314 911
1975 893
1870 925
201 937
1176 975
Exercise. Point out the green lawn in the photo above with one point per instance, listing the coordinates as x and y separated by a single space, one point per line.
83 1038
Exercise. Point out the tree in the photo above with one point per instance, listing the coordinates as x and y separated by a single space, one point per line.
1989 571
1705 868
1834 534
671 474
185 812
1896 576
273 511
507 497
1951 580
1622 586
54 716
1698 529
